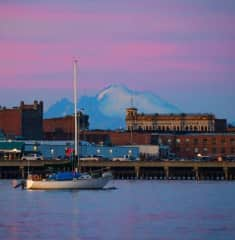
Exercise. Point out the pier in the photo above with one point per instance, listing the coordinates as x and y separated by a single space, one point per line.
171 170
20 168
161 170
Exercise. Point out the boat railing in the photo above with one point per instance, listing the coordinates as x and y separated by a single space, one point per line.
99 172
35 177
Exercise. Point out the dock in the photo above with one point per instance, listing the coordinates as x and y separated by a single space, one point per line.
171 170
161 170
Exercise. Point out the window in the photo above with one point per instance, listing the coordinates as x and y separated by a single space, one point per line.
232 150
222 150
178 140
214 150
205 149
213 141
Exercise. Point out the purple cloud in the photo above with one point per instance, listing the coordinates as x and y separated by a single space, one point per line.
182 42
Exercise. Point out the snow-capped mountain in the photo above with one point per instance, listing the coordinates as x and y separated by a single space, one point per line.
107 108
114 100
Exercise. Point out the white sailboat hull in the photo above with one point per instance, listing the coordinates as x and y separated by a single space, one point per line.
91 183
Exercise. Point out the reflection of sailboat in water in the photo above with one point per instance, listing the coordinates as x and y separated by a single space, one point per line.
71 180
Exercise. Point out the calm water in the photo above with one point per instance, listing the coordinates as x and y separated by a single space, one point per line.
135 210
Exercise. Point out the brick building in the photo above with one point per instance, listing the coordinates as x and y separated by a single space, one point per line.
173 122
193 145
116 137
62 128
24 121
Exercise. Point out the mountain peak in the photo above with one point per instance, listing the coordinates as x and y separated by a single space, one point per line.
111 89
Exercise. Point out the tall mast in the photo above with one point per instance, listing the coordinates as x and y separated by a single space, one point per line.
75 109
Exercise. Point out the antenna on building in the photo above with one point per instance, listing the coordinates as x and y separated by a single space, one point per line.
132 101
131 130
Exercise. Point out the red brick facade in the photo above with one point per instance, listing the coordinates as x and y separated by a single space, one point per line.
62 128
116 138
24 121
194 145
10 121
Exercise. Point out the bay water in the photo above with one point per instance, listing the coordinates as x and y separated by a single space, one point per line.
136 209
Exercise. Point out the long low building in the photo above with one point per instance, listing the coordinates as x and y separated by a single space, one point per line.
64 149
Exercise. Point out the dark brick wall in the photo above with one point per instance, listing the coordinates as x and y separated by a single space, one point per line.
24 121
63 127
10 122
220 125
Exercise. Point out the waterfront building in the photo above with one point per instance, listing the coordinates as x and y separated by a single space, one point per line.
59 150
173 122
11 150
180 145
104 137
23 122
209 146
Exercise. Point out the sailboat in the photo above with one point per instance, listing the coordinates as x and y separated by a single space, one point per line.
70 180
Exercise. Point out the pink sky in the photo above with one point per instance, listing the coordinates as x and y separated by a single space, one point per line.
180 49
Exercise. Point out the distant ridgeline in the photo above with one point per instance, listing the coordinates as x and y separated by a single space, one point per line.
107 109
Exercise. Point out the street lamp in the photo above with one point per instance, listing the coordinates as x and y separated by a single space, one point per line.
111 151
52 153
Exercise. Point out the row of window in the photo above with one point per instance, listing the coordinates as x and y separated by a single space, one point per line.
174 128
214 141
207 151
